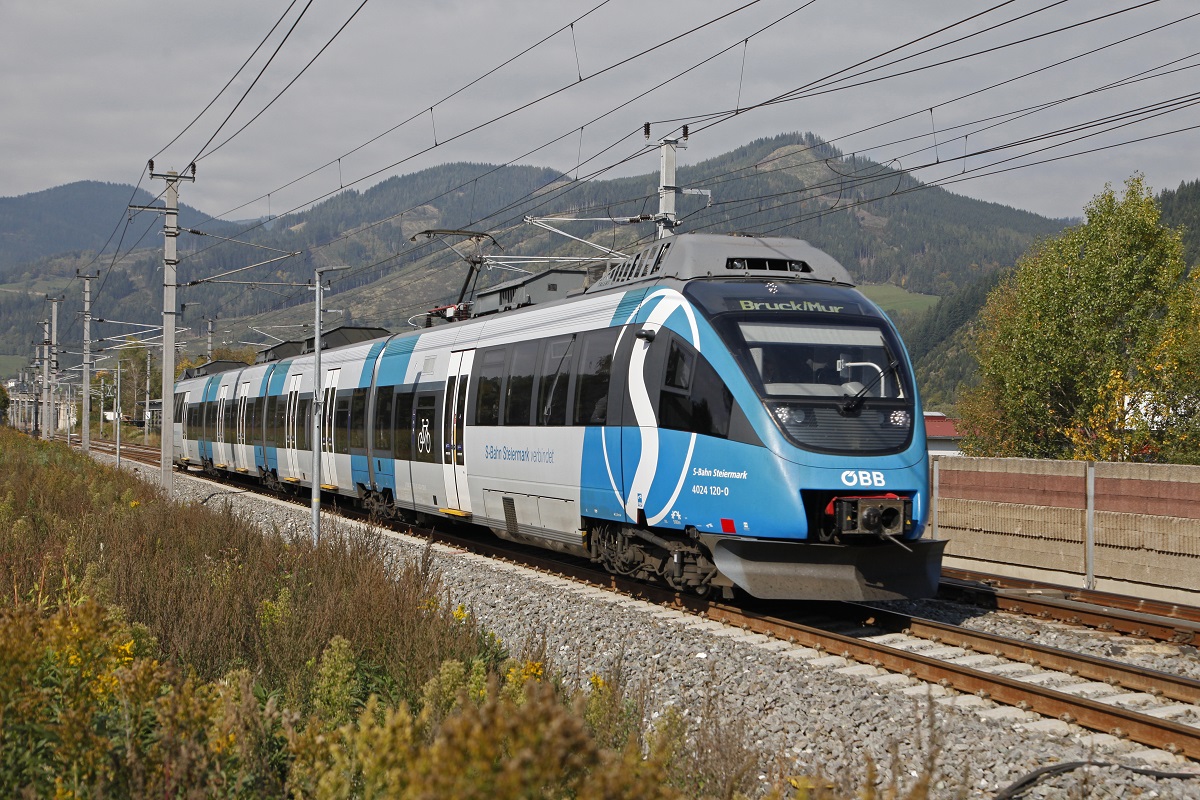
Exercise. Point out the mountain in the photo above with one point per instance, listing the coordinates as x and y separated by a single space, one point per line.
75 217
881 223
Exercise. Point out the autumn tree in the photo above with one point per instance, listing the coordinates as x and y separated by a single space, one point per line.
1089 349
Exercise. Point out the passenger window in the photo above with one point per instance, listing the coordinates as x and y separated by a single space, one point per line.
383 419
358 420
593 375
427 433
518 398
487 387
555 379
304 423
341 422
404 425
693 397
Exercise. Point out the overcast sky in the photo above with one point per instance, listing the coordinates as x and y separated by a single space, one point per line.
91 90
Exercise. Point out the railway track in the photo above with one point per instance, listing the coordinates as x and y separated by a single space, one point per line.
1149 619
1156 709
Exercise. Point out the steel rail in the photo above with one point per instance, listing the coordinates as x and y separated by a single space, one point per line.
1151 619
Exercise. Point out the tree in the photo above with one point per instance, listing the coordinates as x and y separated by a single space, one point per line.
1089 349
3 404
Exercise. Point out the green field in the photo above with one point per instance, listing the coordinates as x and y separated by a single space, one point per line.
11 365
892 298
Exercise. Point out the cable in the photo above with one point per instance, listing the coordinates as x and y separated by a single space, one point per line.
228 83
285 88
254 82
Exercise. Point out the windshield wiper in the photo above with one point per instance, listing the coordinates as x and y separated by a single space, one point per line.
854 403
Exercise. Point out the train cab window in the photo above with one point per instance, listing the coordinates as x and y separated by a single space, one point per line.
488 382
518 398
404 425
592 377
693 396
358 421
383 419
555 380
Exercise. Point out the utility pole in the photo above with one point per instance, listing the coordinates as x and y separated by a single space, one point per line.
170 212
146 409
45 411
86 439
318 405
53 419
210 323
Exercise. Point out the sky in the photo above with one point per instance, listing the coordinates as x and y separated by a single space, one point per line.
92 91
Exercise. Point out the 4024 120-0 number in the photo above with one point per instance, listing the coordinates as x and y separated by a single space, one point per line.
715 491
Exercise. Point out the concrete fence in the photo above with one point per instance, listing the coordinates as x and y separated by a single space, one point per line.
1093 525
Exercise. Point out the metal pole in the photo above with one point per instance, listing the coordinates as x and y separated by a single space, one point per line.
170 261
45 430
318 404
146 407
117 409
53 418
210 323
1089 557
86 439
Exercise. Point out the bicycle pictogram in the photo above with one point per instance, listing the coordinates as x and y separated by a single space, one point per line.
424 438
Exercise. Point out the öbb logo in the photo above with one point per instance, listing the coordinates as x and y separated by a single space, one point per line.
863 477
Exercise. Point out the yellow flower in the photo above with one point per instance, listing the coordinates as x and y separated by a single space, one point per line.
460 613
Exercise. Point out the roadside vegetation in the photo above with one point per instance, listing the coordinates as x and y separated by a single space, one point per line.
1088 349
153 649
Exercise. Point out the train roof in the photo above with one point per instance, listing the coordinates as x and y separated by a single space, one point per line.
690 256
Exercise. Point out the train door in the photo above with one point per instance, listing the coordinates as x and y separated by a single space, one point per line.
454 414
329 476
240 456
184 444
291 421
220 449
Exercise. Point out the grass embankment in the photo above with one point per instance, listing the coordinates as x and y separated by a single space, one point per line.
148 648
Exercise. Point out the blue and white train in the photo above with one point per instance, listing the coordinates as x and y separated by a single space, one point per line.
713 412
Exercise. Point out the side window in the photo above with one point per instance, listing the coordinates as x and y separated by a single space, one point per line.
427 434
488 382
304 422
693 396
555 373
358 420
404 424
268 420
383 418
341 423
592 376
518 397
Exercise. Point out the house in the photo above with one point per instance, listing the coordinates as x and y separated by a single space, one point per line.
941 433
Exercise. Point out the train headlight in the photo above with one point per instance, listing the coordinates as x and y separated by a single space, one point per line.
783 414
900 419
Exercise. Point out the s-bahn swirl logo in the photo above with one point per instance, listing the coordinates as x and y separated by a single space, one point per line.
661 304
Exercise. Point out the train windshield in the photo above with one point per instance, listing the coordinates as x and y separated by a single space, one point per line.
834 388
824 362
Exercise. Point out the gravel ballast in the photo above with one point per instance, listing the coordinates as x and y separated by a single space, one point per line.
807 713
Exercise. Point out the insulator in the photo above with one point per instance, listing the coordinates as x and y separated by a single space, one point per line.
646 130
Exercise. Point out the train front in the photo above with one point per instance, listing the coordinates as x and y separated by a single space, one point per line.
842 492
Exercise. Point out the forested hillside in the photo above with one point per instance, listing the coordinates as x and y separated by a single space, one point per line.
923 239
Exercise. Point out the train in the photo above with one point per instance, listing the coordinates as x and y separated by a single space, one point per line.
724 414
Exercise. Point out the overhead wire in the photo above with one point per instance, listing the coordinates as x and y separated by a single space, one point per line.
928 66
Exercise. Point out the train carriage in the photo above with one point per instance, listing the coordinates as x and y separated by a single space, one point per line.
714 412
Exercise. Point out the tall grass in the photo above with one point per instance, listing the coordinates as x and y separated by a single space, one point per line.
149 648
